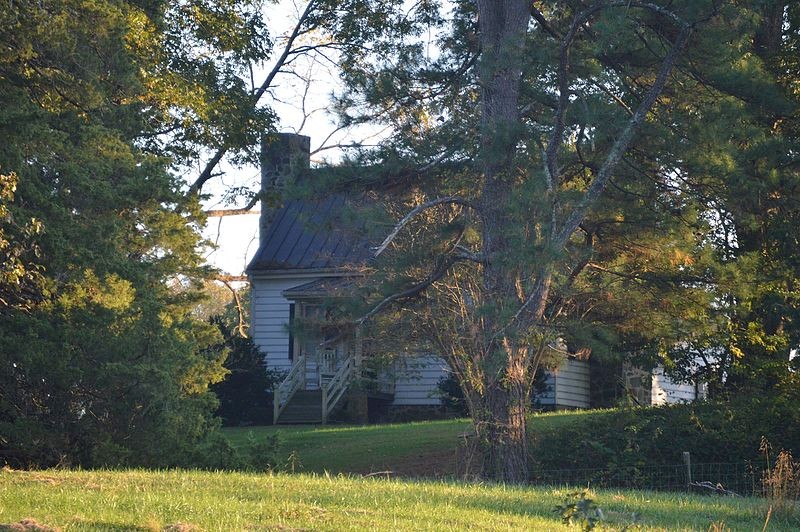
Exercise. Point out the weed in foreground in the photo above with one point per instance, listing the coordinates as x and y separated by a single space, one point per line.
780 481
580 510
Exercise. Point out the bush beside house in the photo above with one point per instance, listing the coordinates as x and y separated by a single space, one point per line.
629 439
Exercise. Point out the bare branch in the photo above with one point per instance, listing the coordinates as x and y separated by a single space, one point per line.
467 254
247 209
220 213
614 97
206 174
539 17
417 289
452 200
226 278
240 327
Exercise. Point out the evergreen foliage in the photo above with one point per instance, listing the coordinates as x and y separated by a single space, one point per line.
623 446
245 395
528 214
21 282
100 101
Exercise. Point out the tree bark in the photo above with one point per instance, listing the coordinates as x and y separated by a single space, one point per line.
501 422
502 433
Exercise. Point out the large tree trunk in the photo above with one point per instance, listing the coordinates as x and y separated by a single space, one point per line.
500 422
502 433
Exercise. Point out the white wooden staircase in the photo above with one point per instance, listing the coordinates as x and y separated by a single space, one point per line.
294 404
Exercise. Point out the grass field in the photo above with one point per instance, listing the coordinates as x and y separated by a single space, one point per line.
423 449
411 449
142 500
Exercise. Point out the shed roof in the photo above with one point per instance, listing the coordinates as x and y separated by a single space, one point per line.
308 234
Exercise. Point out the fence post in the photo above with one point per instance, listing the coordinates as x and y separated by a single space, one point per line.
687 461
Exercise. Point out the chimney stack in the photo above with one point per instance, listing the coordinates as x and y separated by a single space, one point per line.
283 156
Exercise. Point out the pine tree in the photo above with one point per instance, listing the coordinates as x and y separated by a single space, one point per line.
506 139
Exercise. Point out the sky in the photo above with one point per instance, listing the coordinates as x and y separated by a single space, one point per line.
301 108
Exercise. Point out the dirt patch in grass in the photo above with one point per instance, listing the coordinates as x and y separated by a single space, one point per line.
26 525
180 527
434 464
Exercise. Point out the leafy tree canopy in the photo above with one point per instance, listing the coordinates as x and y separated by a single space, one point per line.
100 101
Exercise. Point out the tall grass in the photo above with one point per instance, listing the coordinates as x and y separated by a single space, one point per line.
781 481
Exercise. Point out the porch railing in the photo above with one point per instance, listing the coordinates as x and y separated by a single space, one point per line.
333 390
284 392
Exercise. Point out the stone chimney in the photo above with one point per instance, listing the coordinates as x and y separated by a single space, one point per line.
283 156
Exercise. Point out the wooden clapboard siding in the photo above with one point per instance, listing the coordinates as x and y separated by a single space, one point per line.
270 318
572 384
666 391
547 399
417 378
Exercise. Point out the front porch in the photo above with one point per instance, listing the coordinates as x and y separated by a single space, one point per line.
329 363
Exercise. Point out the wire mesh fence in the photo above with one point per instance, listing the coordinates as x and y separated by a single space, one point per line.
739 478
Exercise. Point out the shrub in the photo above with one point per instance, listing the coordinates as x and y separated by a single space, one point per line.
580 510
451 395
217 453
625 442
245 395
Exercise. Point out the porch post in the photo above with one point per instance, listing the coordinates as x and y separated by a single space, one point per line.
276 399
324 404
358 349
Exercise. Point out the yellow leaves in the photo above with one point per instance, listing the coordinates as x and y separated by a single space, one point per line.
110 292
678 257
8 185
166 319
737 352
142 34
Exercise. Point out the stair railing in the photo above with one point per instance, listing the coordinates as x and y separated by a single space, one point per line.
284 392
333 390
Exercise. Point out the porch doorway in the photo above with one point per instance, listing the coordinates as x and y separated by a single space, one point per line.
323 359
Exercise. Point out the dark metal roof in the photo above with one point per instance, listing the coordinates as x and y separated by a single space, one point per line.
325 287
308 234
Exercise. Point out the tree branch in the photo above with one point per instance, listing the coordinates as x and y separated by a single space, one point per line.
556 138
247 209
621 144
453 200
206 174
444 263
417 289
240 327
538 296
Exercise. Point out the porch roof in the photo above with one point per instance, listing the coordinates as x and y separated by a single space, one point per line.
326 287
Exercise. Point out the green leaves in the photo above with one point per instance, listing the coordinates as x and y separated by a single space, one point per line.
100 100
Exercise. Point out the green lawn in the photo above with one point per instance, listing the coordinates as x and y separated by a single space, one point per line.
426 448
143 500
410 449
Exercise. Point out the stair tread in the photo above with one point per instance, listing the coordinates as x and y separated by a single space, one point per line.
305 407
